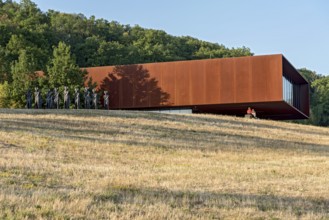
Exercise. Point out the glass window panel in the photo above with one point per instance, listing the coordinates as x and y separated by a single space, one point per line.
290 92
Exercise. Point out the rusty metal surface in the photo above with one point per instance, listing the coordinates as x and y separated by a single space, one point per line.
212 82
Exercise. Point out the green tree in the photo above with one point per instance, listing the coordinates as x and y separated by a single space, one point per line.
29 16
69 28
4 67
63 70
24 76
21 42
111 53
4 95
23 26
87 52
25 29
239 52
321 101
311 77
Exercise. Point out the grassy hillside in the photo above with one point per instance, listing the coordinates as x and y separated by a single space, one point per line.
120 164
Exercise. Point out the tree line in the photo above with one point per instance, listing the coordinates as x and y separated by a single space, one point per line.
319 97
59 44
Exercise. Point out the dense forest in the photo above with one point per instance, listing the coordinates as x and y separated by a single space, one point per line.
60 43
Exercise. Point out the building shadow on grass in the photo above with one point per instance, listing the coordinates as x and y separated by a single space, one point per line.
251 124
200 201
158 135
5 145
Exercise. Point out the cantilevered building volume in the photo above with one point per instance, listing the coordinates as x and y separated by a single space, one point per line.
269 84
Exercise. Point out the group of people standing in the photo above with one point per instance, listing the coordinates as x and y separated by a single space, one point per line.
53 99
251 113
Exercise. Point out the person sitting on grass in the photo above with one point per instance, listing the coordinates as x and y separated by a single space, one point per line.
249 111
253 113
248 115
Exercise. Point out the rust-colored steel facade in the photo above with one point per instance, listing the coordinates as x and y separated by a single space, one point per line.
220 86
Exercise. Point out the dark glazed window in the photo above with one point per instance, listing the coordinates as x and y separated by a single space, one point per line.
291 92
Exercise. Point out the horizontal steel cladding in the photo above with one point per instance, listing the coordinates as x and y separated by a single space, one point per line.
255 79
186 83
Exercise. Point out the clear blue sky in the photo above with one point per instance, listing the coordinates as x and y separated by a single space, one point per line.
299 29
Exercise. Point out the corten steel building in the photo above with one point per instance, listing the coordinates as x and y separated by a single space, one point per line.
269 84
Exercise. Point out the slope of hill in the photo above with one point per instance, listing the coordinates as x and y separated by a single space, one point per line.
121 164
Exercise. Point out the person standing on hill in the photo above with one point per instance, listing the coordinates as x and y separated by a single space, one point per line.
87 100
56 99
95 99
85 94
66 98
49 99
28 99
37 98
76 98
106 100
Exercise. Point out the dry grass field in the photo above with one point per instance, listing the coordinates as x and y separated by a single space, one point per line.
136 165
